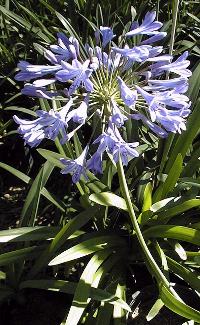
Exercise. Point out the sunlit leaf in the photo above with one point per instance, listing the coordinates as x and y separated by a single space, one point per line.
176 232
109 199
86 248
177 306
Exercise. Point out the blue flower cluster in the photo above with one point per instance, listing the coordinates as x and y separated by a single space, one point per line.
108 84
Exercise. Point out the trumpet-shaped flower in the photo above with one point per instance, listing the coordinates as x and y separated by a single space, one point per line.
67 48
48 125
128 96
79 114
155 128
34 91
149 25
107 35
118 118
32 131
112 142
155 38
178 67
77 167
136 54
77 71
95 163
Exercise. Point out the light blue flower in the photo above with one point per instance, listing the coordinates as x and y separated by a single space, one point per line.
172 121
32 131
67 48
110 62
79 115
126 151
40 92
77 71
155 38
149 26
179 66
50 56
31 71
114 85
112 142
106 141
155 128
118 118
107 35
135 54
49 125
122 148
95 163
128 96
77 167
166 84
157 108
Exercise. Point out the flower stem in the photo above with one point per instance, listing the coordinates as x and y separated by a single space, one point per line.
125 192
156 271
174 21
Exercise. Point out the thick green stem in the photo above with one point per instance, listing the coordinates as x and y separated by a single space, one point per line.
124 188
162 280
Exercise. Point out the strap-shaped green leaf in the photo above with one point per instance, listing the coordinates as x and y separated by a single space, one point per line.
155 309
87 247
109 199
165 216
71 227
193 164
147 198
189 235
21 109
81 295
106 311
24 23
38 22
178 306
70 287
193 278
26 179
52 157
28 234
21 254
119 314
194 84
30 208
170 181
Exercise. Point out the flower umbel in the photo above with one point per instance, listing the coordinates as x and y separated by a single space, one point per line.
108 86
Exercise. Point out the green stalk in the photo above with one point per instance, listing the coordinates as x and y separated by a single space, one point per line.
157 8
59 147
162 280
124 188
174 21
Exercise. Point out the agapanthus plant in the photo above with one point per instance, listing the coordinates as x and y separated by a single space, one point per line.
109 84
113 85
